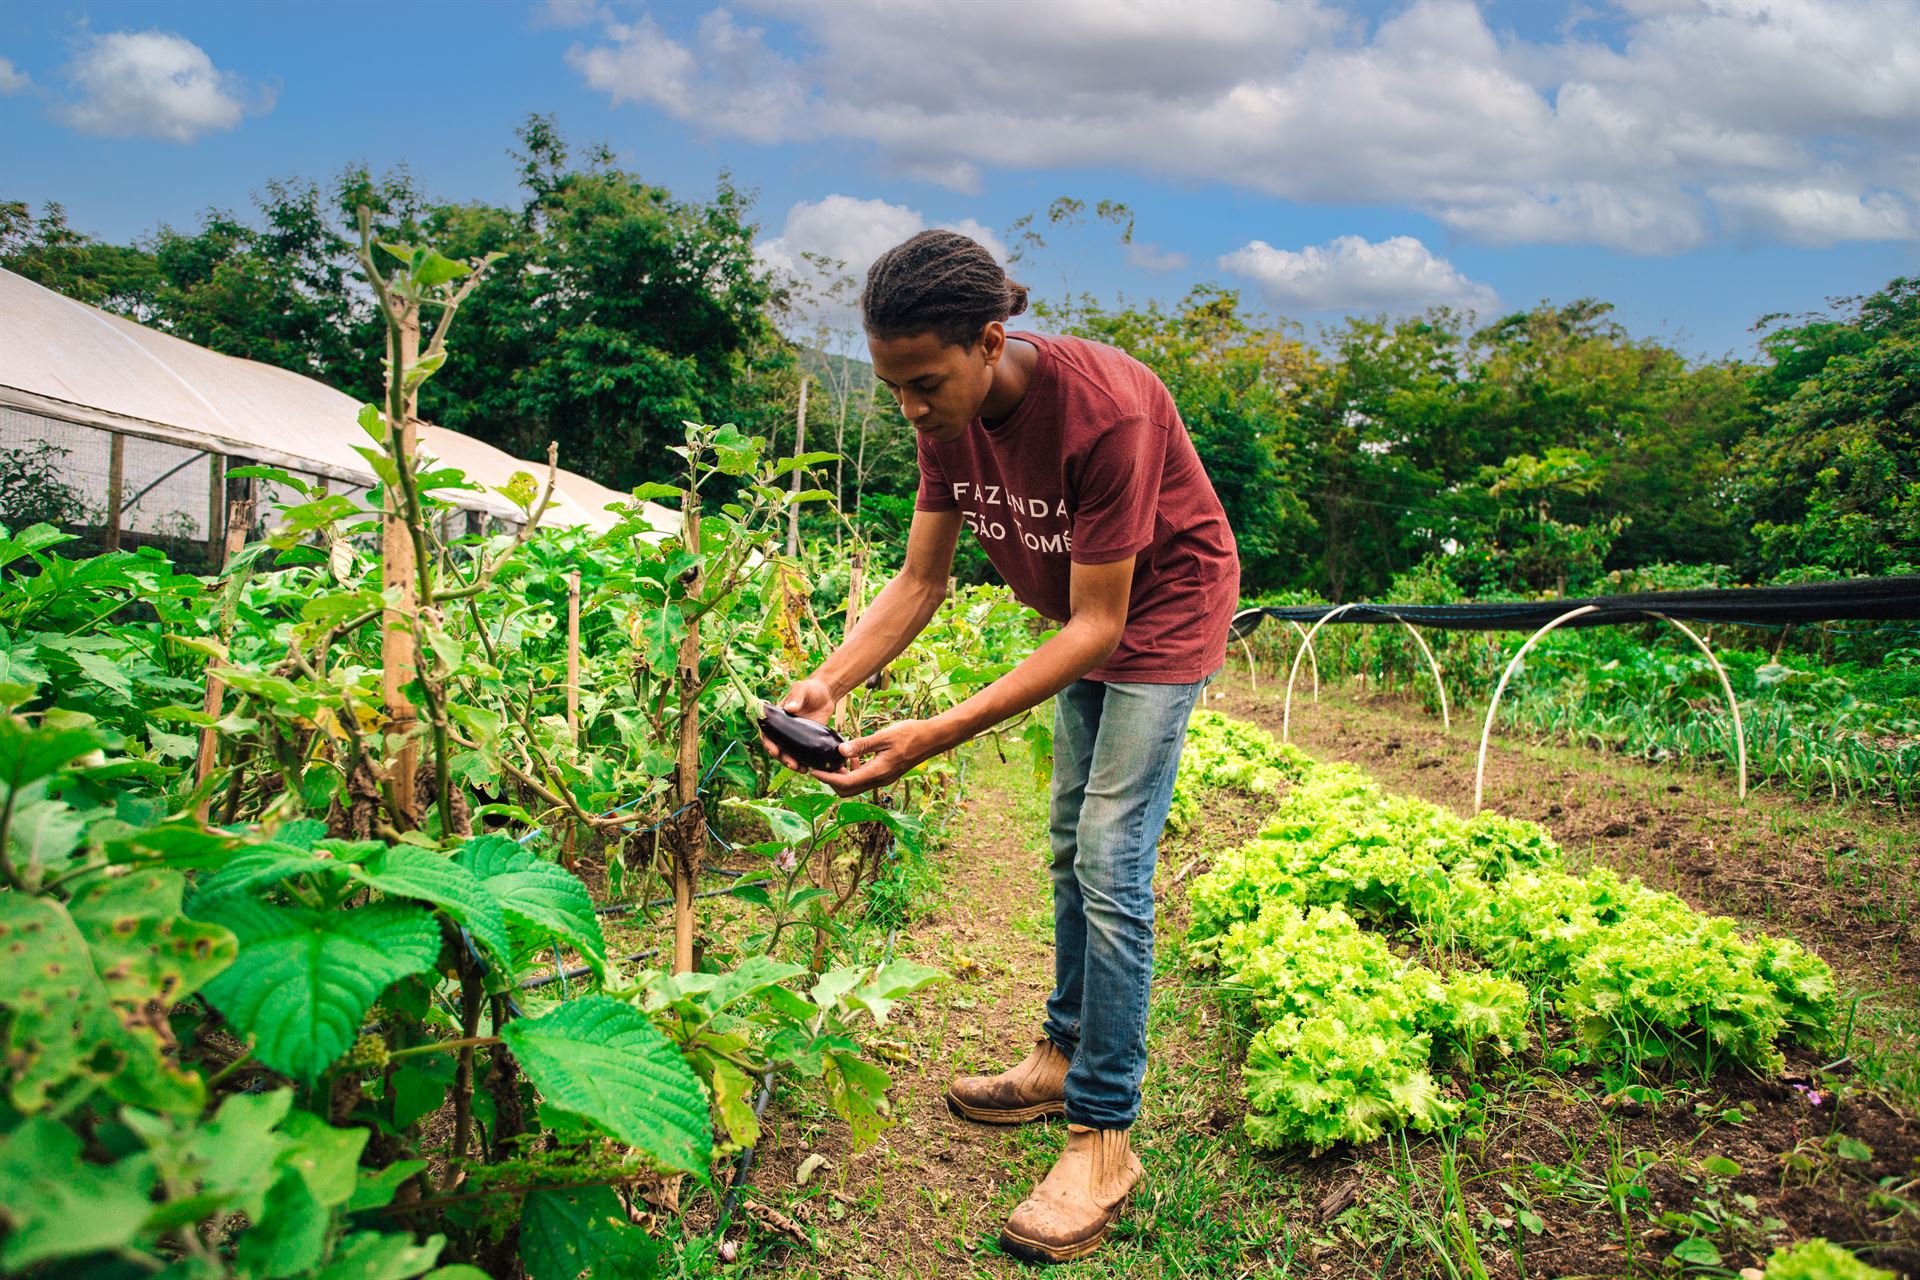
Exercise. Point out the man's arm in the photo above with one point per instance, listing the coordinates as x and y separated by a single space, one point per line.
1097 596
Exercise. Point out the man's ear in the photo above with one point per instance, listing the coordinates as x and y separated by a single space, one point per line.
993 341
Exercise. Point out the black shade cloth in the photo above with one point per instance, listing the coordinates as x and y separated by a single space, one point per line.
1848 599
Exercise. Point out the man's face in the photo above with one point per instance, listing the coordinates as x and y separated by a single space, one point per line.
939 386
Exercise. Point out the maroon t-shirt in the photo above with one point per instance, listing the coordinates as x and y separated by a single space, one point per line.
1096 466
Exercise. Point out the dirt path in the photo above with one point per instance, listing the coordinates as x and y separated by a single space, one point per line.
929 1199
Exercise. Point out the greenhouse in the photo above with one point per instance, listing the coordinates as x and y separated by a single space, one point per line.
140 430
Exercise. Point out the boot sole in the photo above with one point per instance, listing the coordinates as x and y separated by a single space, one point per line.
1034 1251
1014 1115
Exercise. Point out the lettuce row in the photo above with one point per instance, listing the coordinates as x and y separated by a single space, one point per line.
1350 1032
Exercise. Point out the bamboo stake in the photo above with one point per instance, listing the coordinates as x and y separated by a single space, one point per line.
856 585
239 517
573 658
116 468
216 503
399 578
799 447
686 862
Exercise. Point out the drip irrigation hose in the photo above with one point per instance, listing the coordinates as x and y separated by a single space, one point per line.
534 984
745 1164
622 908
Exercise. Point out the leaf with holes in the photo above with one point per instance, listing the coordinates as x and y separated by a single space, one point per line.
405 872
78 1013
304 980
607 1063
536 895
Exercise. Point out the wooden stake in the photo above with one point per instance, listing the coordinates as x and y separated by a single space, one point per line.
688 826
399 578
216 506
799 447
239 517
116 467
573 658
856 585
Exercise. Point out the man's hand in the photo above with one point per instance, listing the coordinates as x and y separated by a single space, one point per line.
811 699
888 754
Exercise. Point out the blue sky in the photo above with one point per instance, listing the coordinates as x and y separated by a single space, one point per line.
1696 162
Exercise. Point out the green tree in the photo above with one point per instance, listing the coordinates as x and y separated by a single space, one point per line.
617 313
123 279
1832 482
1233 377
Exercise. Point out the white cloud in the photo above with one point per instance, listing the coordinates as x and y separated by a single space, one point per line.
1653 141
153 84
1148 257
1351 274
852 232
570 13
1812 215
12 80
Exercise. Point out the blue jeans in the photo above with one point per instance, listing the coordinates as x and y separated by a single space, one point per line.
1116 748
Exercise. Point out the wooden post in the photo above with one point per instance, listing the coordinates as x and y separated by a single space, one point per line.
856 605
239 517
216 507
688 827
116 467
573 658
570 838
799 447
399 579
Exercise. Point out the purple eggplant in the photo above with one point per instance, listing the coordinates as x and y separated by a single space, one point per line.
808 741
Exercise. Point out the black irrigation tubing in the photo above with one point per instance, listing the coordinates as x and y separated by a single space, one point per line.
745 1165
622 908
534 984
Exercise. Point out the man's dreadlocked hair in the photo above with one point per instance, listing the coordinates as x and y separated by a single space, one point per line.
940 282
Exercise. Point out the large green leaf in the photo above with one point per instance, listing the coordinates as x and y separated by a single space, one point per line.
539 896
28 753
606 1061
565 1235
369 1255
327 1159
403 871
290 1235
57 1205
42 834
261 866
858 1091
304 980
890 985
237 1150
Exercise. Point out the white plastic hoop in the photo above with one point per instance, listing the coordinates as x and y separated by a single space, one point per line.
1286 717
1253 673
1286 713
1312 657
1493 707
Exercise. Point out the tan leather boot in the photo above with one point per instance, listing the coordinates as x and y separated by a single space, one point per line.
1068 1214
1033 1090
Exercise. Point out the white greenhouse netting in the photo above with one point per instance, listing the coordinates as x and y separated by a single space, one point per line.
78 386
